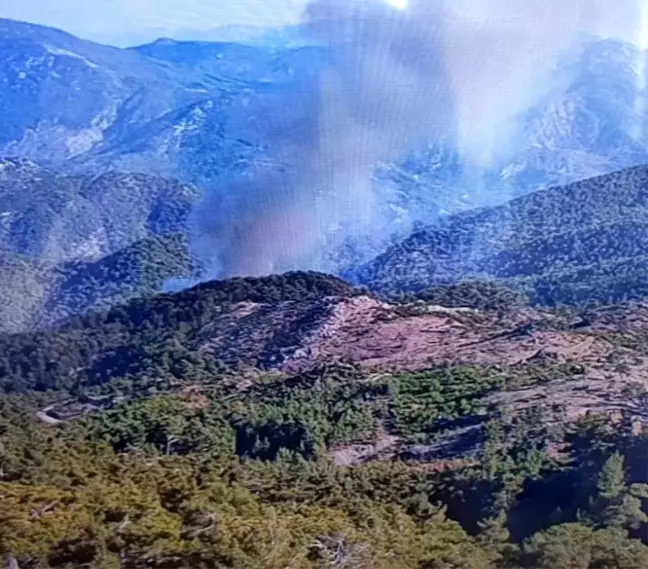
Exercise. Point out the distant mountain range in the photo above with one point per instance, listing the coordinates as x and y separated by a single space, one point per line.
56 217
70 243
190 110
277 38
593 122
64 97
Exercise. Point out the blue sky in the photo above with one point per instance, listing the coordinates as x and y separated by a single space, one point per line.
129 22
126 22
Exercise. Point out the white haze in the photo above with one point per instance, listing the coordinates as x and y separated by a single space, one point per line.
500 54
455 68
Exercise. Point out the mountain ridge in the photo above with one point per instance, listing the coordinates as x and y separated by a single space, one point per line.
201 124
451 417
72 242
583 224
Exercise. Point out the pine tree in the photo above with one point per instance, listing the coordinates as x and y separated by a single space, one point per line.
611 480
494 539
616 505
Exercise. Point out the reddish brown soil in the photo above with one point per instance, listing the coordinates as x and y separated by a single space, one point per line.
292 337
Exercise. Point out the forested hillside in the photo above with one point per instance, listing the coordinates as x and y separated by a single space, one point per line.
36 295
466 431
144 334
72 243
579 243
476 397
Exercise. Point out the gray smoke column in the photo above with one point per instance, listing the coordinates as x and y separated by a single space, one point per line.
384 89
501 55
458 68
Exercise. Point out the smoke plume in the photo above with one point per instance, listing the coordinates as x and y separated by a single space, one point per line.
456 68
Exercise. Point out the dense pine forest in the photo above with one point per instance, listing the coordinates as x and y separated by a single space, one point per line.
469 392
170 458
